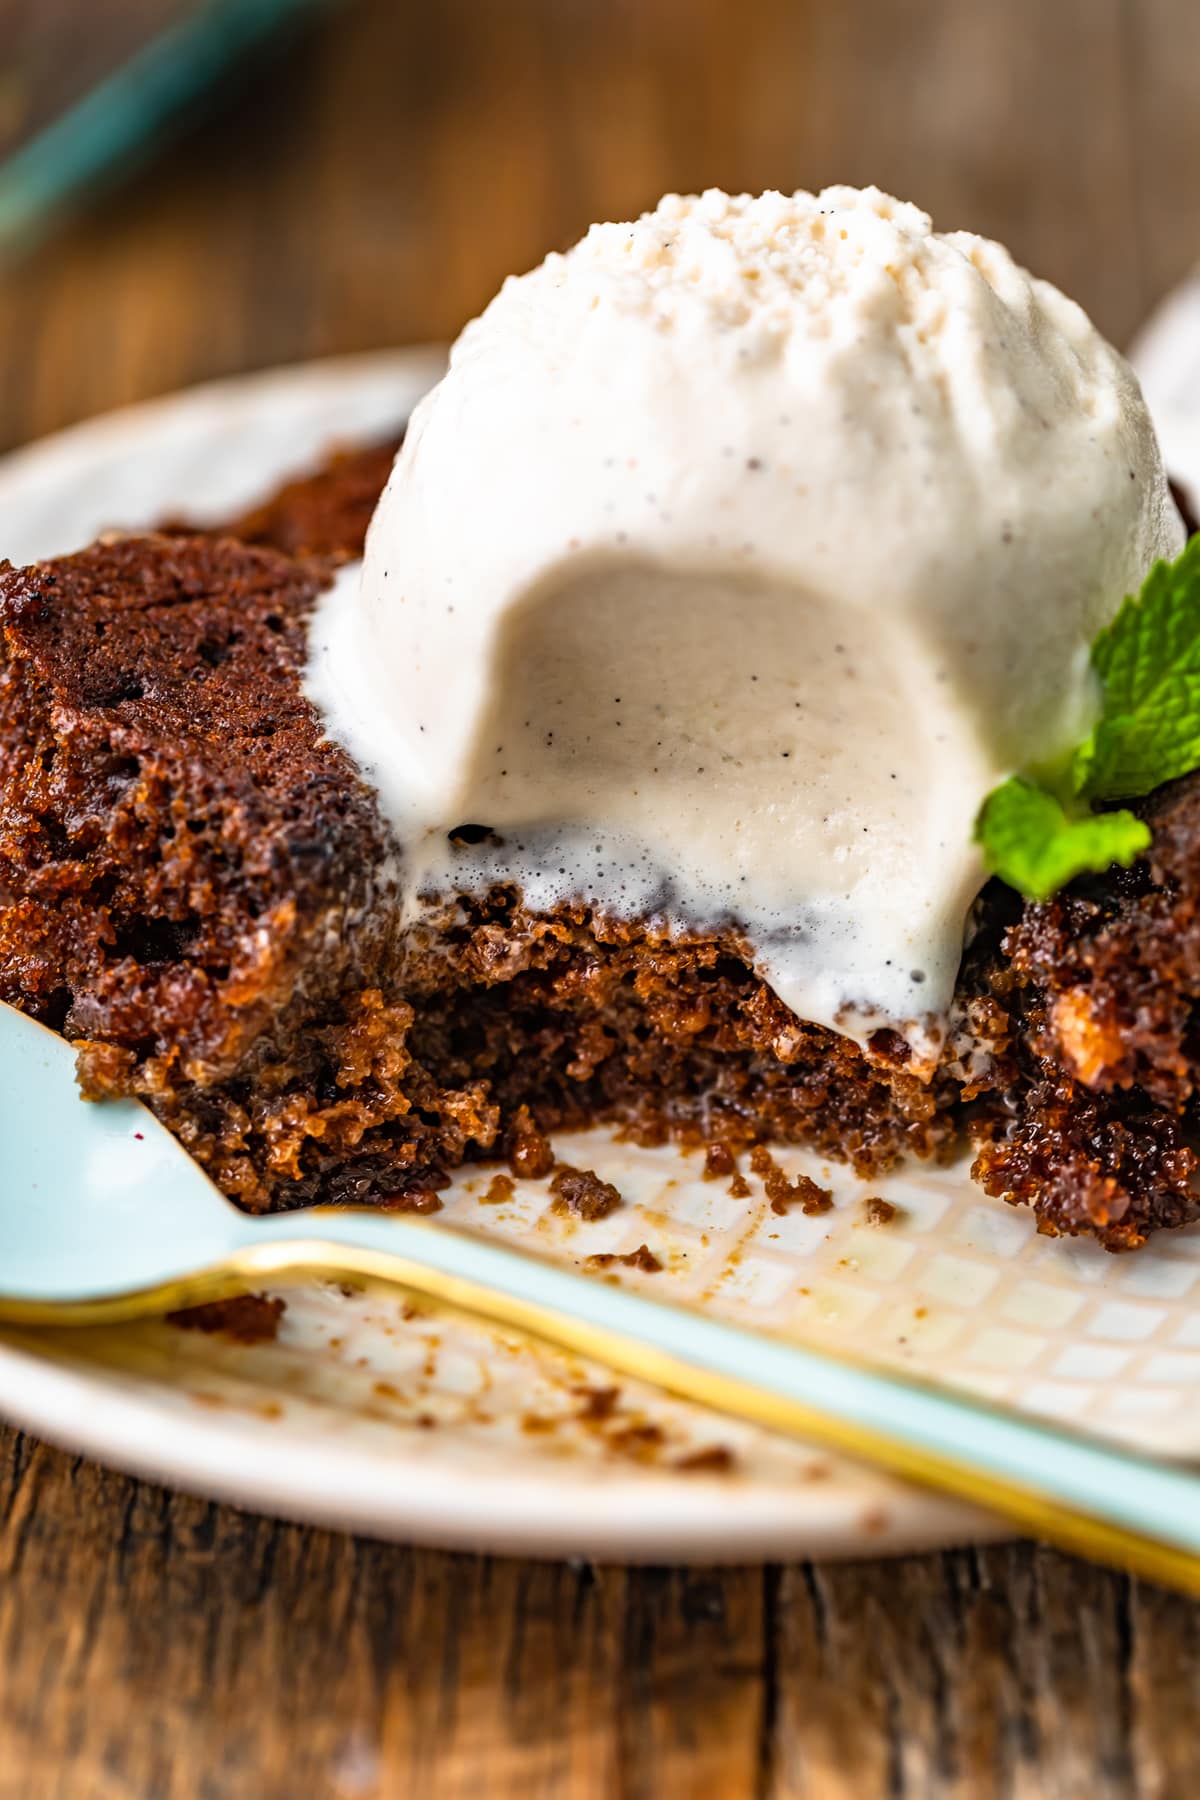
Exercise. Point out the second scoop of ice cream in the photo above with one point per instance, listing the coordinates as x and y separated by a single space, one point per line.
741 551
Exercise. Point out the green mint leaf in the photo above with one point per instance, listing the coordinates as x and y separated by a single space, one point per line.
1148 664
1029 840
1148 661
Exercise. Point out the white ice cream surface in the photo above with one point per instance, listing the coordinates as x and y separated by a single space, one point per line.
741 551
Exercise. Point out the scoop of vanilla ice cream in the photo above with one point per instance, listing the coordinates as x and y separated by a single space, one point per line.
740 552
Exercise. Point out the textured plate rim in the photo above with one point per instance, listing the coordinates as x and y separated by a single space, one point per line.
610 1517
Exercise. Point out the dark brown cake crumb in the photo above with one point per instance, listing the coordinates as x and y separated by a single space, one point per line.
529 1152
638 1442
581 1194
719 1162
642 1258
781 1192
421 1200
500 1189
597 1405
248 1318
716 1459
878 1211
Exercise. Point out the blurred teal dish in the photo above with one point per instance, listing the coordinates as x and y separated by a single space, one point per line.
130 108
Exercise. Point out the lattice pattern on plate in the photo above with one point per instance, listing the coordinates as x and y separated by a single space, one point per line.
955 1285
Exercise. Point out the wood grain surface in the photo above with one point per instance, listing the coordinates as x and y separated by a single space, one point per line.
372 186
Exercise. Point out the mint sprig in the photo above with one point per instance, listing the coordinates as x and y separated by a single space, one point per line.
1031 841
1037 836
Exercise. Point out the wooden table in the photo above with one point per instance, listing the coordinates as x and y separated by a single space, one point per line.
371 188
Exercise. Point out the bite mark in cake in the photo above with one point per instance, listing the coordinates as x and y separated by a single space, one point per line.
741 552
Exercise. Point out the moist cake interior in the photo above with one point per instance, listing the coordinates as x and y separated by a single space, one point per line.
197 887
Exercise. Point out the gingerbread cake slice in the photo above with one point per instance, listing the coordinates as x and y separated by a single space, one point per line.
195 884
197 888
746 591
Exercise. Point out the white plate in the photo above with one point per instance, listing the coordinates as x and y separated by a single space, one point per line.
365 1415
